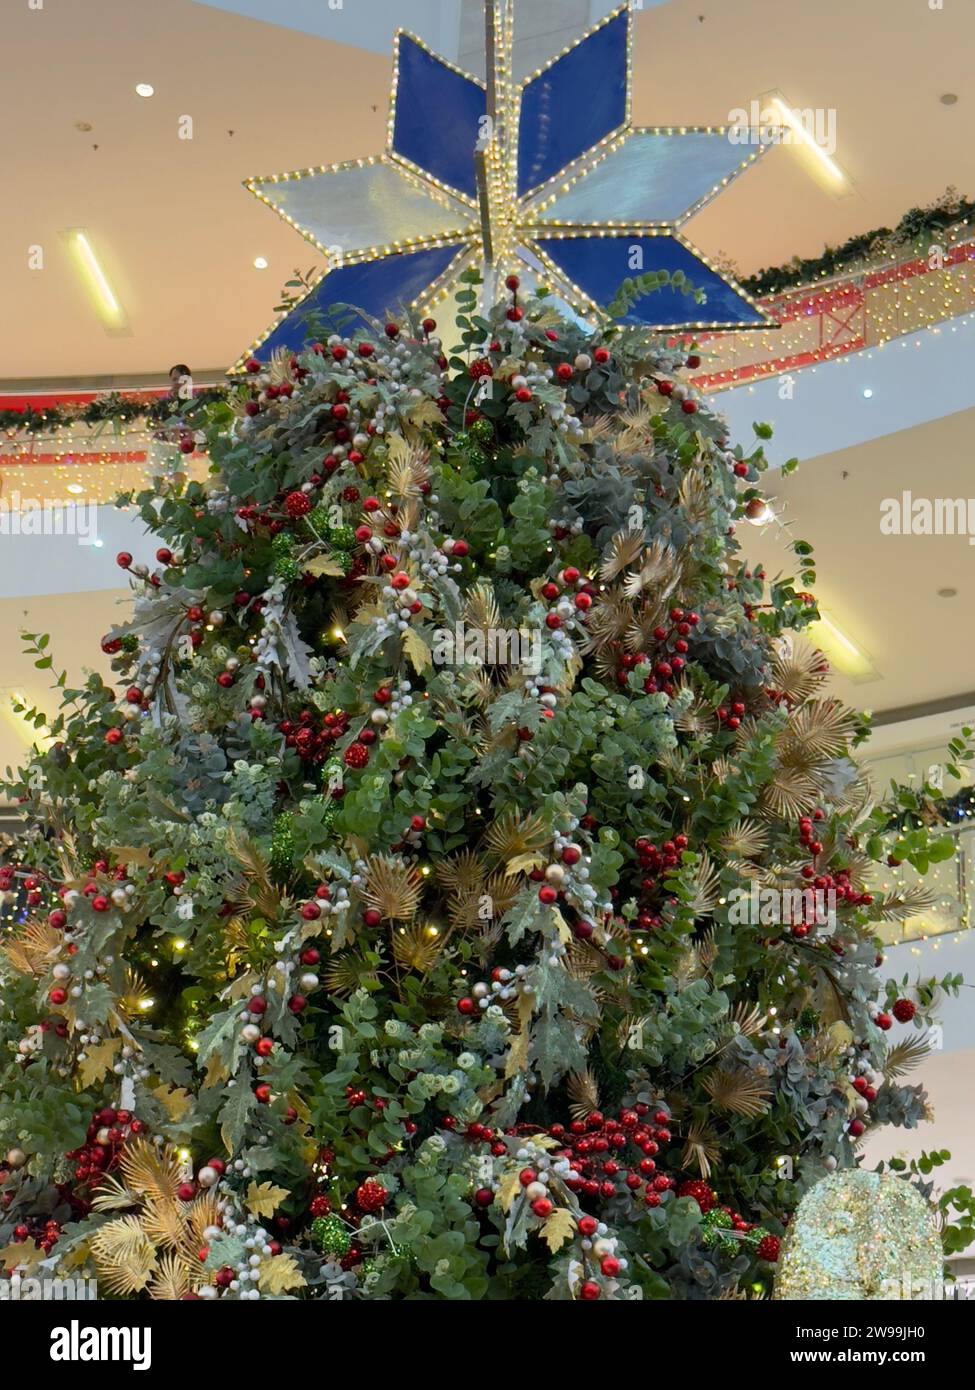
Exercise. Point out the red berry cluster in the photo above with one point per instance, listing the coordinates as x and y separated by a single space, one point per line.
107 1134
597 1150
313 735
654 863
731 716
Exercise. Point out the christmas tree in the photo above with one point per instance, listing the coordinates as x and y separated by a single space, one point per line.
464 892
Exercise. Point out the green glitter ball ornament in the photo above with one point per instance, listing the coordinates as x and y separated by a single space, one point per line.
319 521
330 1235
342 537
482 432
714 1225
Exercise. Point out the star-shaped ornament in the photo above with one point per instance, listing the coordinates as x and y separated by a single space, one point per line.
546 178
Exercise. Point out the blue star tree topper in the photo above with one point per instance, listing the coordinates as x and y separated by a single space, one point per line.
516 178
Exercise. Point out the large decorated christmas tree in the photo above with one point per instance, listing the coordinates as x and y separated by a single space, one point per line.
464 889
435 908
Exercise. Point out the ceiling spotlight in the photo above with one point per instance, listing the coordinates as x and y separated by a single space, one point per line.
145 89
867 392
260 263
947 593
948 98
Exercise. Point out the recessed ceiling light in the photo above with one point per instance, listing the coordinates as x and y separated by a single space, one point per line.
75 488
947 593
948 98
145 89
260 263
867 392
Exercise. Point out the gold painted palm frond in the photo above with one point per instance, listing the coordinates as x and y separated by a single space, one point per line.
599 428
392 888
790 794
748 1020
636 432
112 1195
625 549
202 1213
607 622
171 1280
737 1091
583 1093
462 873
817 730
346 973
123 1254
746 839
706 887
694 498
798 670
31 950
256 891
900 907
906 1055
659 572
150 1173
701 1148
639 635
135 998
481 609
417 947
407 468
165 1225
687 968
517 840
475 686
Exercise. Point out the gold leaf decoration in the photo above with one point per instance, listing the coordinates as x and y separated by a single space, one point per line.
900 907
279 1275
560 1226
123 1254
514 835
263 1199
737 1091
706 887
583 1094
417 947
30 952
625 549
746 839
818 730
392 888
171 1280
658 572
798 670
99 1060
701 1148
906 1055
151 1173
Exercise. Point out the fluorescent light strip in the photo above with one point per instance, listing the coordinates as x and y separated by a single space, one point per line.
109 309
841 650
800 131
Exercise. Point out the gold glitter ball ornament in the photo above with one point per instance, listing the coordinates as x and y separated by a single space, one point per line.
861 1236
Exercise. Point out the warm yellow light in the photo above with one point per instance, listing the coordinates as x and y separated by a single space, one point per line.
808 142
109 309
179 945
842 651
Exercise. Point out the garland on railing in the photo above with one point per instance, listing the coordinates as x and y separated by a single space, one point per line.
916 230
114 408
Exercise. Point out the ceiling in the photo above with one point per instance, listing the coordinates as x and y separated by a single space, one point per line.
177 234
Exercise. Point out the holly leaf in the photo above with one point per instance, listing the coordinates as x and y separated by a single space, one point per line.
264 1198
99 1060
235 1115
279 1275
559 1227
